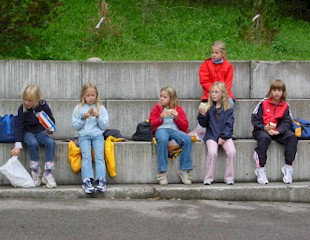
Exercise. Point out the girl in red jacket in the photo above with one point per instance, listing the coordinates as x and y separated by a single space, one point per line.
169 121
271 120
216 69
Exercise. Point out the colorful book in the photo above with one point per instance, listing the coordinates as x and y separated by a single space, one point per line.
45 120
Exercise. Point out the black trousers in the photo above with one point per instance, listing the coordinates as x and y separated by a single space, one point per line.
288 139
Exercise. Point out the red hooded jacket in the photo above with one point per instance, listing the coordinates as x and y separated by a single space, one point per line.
210 72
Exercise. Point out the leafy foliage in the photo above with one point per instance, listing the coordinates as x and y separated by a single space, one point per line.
16 16
261 25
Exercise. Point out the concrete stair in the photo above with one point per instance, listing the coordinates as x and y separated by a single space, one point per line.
130 89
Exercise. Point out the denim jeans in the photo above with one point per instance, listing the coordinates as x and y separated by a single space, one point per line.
86 143
163 136
34 140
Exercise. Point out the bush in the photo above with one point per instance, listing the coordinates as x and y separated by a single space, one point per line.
17 16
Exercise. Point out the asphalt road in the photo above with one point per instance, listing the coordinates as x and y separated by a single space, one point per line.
152 219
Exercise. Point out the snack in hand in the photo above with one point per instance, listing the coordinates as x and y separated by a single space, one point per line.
203 105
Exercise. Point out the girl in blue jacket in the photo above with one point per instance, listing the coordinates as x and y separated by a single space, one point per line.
217 117
90 119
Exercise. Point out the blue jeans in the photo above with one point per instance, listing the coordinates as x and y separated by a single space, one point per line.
86 143
34 140
163 136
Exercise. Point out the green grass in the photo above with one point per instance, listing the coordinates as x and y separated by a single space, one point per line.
153 30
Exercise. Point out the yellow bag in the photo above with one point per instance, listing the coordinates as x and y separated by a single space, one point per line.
109 154
74 157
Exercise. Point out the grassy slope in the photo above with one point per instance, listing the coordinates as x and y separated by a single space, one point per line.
155 30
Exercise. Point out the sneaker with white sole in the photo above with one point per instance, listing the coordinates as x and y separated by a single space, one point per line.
49 181
36 177
287 171
229 182
185 177
207 182
162 179
88 186
261 175
102 185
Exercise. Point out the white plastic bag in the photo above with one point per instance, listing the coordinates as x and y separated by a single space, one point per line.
16 173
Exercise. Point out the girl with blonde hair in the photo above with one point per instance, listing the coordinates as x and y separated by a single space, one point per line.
30 131
218 119
90 120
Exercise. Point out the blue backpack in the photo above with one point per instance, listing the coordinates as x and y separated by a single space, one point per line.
7 128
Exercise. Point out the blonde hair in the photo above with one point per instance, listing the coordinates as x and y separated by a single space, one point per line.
32 92
220 45
280 85
85 87
225 98
174 101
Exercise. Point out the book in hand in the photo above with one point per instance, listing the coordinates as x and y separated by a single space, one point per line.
46 122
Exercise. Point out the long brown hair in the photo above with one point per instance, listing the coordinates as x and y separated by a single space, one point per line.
280 85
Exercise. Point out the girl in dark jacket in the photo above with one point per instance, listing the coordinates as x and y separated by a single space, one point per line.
218 119
271 120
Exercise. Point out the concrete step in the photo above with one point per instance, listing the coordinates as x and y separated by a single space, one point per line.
136 162
275 191
126 114
143 80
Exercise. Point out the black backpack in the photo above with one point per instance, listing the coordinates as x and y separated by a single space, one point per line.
143 132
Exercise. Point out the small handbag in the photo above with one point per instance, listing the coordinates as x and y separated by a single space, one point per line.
301 128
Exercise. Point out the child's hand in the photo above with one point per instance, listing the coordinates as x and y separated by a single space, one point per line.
15 151
174 113
268 127
220 141
203 111
203 108
273 132
88 114
165 113
49 131
95 114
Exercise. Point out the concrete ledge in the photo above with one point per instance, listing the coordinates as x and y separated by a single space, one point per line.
143 80
136 162
276 192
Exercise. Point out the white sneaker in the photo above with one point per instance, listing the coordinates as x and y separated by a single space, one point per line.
287 171
207 182
185 177
229 182
261 175
36 177
162 179
49 181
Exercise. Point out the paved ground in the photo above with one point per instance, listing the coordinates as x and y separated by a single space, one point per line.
152 219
